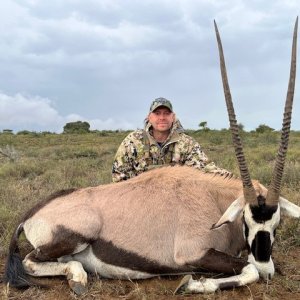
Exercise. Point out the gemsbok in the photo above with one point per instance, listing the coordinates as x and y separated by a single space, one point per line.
170 220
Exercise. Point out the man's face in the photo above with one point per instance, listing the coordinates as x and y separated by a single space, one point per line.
161 119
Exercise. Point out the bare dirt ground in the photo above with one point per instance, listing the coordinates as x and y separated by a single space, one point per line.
284 285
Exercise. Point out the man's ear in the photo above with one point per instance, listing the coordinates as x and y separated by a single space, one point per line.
232 212
148 117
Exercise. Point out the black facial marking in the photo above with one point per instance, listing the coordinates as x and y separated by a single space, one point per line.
261 200
262 213
246 231
261 247
246 228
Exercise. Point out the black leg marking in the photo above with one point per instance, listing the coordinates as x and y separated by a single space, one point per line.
219 262
229 285
111 254
213 261
64 243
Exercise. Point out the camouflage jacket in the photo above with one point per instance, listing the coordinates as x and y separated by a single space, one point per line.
139 152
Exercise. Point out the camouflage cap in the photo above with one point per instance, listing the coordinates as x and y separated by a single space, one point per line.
161 102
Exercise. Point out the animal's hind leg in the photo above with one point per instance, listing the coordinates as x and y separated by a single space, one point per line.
61 241
73 270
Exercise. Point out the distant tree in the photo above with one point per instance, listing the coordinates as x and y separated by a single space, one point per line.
9 131
25 132
77 127
47 132
203 126
262 128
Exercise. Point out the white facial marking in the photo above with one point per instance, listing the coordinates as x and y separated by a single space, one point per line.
265 269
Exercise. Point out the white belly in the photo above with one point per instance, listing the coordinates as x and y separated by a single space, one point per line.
92 264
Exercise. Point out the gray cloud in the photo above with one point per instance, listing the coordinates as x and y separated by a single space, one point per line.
107 60
25 111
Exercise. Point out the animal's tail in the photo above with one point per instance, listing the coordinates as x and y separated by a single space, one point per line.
14 273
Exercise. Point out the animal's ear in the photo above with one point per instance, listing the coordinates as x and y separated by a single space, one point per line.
232 212
288 208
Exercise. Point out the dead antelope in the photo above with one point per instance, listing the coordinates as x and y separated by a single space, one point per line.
161 223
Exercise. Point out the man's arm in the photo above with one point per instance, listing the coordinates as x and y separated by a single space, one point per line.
123 164
197 158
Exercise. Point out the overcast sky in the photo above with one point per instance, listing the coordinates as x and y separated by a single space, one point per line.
104 61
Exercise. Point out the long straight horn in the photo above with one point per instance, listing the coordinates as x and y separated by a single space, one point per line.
274 189
249 192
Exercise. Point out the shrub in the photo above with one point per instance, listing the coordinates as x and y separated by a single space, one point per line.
77 127
262 128
9 152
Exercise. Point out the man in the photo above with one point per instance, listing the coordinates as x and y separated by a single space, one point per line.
161 142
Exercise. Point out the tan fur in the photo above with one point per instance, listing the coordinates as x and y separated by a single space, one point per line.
164 215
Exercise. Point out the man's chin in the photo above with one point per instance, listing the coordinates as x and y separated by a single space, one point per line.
163 128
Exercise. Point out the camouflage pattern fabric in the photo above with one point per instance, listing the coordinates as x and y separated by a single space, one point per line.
139 152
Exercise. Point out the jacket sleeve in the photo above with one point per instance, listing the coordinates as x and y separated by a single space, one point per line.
123 164
198 159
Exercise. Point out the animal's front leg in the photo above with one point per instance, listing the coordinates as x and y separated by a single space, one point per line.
214 261
248 275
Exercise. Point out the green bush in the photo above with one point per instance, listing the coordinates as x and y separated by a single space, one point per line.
77 127
263 128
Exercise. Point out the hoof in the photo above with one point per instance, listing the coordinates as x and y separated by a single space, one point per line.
183 284
77 287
